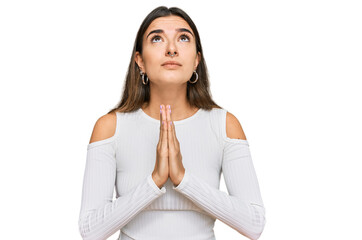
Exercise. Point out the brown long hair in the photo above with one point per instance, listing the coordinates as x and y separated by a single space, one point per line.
135 93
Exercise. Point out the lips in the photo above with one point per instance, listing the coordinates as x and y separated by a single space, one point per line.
171 63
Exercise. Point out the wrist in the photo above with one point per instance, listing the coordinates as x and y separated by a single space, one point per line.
157 181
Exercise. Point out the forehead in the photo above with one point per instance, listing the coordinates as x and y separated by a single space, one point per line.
169 23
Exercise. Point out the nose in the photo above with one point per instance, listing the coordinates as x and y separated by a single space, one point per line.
171 50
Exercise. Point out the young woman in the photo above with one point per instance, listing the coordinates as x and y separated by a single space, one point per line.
164 147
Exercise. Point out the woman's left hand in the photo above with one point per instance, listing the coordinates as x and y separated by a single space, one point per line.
175 166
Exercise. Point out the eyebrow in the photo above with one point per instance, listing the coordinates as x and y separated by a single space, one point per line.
178 30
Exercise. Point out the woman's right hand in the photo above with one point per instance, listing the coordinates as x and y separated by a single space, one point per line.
160 172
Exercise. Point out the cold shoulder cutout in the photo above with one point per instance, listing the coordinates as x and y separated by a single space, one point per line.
104 127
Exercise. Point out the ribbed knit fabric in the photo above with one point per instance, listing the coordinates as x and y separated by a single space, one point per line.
141 210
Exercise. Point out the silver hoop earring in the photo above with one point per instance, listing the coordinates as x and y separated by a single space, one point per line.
143 78
197 77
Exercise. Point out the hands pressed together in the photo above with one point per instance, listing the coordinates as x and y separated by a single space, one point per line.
168 155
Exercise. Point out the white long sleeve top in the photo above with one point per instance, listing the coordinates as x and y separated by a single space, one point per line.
142 210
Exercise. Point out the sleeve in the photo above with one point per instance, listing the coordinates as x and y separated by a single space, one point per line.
100 216
242 208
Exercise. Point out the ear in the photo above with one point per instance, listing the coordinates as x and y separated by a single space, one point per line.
198 59
138 59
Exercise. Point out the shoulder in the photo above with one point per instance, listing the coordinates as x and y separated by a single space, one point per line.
233 127
104 127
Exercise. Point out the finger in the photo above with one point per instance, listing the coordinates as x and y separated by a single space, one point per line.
173 127
164 127
170 126
160 116
160 137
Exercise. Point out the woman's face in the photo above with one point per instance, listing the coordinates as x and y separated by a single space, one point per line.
168 34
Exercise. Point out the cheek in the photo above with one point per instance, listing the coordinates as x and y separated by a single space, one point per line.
190 51
193 58
150 59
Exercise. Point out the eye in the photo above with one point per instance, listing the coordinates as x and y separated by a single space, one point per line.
155 37
184 36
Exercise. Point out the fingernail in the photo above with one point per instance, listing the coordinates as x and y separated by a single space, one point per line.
160 106
170 123
163 122
169 106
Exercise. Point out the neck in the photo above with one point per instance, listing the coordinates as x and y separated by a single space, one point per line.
175 97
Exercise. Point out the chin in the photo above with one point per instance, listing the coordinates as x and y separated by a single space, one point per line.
172 77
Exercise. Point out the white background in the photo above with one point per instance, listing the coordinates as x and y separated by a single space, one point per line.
288 70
